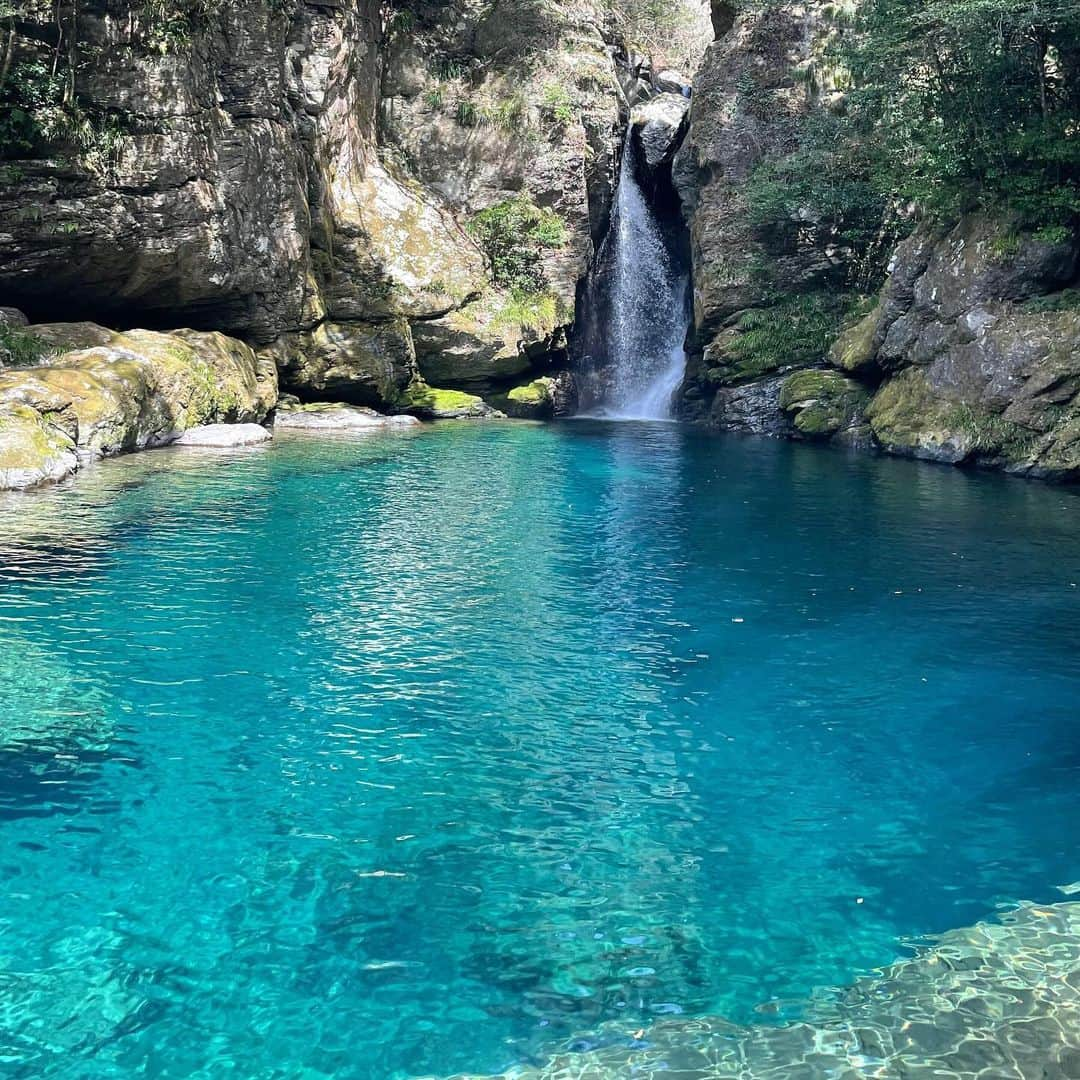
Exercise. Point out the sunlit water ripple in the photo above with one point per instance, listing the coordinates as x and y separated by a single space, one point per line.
401 755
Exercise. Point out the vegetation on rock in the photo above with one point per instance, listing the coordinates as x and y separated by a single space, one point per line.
934 108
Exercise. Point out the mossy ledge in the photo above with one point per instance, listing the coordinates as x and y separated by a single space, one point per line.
98 392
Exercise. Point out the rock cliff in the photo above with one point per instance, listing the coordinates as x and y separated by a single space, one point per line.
304 176
970 354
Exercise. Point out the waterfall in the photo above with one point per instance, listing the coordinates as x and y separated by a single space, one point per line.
636 360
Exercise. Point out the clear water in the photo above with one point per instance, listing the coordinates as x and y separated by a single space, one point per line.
415 754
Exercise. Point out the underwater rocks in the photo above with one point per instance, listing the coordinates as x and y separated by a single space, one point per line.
96 392
1000 999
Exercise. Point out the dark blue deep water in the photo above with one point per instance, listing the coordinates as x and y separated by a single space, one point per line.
416 754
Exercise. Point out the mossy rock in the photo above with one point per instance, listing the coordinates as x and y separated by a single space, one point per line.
532 401
432 403
32 451
856 348
107 392
822 402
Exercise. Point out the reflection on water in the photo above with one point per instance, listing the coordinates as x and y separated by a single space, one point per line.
386 757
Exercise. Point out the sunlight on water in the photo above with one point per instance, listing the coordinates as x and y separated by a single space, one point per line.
416 754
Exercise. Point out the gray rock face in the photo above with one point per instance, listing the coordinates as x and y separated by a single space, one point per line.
983 344
753 408
747 95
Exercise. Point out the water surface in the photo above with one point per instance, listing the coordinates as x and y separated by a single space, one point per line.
401 755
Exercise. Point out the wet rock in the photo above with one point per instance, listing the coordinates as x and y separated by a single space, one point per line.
753 408
532 401
822 403
660 125
10 316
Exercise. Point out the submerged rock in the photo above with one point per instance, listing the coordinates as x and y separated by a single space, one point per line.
1000 999
225 435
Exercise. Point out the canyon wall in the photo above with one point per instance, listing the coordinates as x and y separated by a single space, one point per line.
307 177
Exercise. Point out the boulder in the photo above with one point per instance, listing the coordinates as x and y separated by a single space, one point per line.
822 403
32 451
671 82
225 435
358 363
531 401
432 403
659 125
102 392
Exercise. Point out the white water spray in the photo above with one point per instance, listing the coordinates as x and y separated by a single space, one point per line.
648 314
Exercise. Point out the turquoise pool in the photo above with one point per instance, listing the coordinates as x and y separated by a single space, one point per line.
410 755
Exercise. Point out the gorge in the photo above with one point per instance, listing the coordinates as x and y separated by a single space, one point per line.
540 640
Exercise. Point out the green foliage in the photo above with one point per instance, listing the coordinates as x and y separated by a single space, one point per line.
20 348
795 332
1066 300
948 106
557 105
988 432
674 32
975 102
169 24
539 311
512 235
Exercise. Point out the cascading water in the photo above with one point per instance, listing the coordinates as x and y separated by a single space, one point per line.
634 360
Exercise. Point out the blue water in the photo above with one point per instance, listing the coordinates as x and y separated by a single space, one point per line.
404 755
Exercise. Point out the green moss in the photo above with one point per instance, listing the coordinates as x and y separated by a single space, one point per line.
21 348
435 403
795 332
531 401
822 402
854 349
537 392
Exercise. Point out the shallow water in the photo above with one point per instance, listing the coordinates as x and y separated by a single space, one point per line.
405 755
